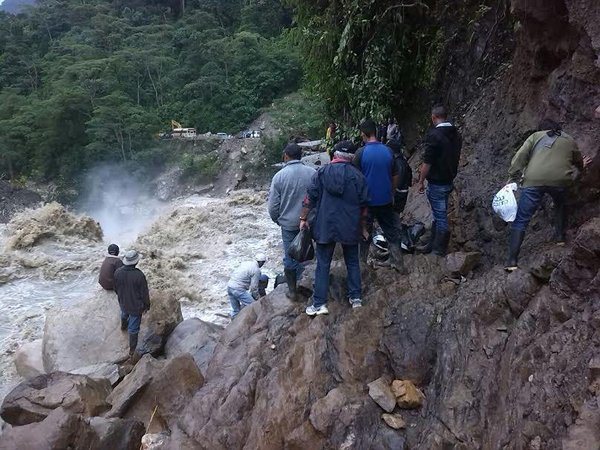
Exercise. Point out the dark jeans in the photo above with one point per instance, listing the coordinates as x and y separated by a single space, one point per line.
530 200
324 255
389 222
438 194
133 322
287 236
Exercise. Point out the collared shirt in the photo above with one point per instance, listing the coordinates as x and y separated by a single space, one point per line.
443 124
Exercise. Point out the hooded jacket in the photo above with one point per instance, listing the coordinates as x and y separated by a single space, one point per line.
336 196
442 151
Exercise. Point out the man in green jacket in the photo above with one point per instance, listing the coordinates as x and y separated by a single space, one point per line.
545 164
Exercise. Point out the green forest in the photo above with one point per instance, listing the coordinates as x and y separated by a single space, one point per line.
93 80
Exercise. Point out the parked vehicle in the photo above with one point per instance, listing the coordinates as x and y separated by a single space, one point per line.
223 136
184 133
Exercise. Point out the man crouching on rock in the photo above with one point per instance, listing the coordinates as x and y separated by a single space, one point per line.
242 288
134 299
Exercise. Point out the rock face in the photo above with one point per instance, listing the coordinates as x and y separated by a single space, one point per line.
117 433
32 400
106 371
461 263
88 332
195 337
161 388
28 359
60 430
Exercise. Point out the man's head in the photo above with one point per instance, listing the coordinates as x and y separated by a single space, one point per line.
260 259
292 152
113 249
439 114
131 258
344 150
368 130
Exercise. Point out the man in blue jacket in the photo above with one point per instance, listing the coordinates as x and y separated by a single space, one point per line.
337 200
287 192
376 162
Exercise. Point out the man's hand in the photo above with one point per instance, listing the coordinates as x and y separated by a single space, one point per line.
587 160
304 225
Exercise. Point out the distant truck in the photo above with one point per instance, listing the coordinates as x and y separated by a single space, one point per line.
184 133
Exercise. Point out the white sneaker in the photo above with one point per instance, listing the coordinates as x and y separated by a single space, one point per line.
355 302
312 311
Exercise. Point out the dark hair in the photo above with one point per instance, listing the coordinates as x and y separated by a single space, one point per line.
368 127
395 145
113 249
552 126
345 146
294 151
439 111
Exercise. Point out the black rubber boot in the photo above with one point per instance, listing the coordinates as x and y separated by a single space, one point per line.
124 324
396 258
133 341
440 243
291 278
514 245
560 224
427 248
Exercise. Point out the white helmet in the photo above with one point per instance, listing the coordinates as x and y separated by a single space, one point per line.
260 257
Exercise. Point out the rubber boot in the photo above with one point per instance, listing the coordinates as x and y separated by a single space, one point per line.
560 224
133 341
292 280
124 324
440 243
427 248
514 245
396 258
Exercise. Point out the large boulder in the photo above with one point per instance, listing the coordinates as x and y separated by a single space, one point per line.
195 337
32 400
88 332
157 389
107 371
28 359
60 430
118 433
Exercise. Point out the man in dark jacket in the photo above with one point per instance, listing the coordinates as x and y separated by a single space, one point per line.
404 175
132 290
337 200
376 162
110 264
440 166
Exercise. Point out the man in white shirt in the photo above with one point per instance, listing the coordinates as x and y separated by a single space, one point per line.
242 288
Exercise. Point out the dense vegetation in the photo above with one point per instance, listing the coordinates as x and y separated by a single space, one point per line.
95 80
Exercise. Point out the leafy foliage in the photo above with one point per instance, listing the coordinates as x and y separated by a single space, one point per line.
83 82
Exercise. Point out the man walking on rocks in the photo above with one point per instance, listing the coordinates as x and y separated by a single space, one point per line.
546 163
243 286
376 162
443 145
338 193
134 299
111 263
288 189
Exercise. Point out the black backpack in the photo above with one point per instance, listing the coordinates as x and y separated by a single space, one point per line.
405 172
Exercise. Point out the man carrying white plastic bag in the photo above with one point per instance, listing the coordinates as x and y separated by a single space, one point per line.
546 164
505 203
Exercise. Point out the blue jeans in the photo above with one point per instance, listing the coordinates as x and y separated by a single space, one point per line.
238 298
287 236
530 200
133 322
324 255
438 194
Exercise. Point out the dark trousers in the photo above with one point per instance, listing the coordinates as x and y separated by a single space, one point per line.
390 225
438 195
324 255
530 200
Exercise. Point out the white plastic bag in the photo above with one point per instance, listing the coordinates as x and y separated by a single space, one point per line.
505 203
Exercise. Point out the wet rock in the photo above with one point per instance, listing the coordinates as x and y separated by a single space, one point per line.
395 421
195 337
28 359
407 395
32 400
162 385
117 433
380 392
461 263
59 430
89 332
106 371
